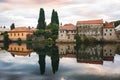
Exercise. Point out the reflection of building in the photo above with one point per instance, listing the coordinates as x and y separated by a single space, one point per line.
90 28
66 50
20 50
66 33
20 32
109 51
109 32
90 54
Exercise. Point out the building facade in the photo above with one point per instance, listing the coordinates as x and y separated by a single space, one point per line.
66 33
117 29
66 50
109 51
20 33
90 28
109 33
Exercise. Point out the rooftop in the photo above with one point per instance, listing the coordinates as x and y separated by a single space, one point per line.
23 29
99 21
109 25
68 27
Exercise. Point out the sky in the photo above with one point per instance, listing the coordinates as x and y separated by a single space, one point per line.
26 12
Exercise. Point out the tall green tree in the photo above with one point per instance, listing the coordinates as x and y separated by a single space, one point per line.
54 17
12 26
41 20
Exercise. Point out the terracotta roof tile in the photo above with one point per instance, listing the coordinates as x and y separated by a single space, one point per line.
100 21
109 25
67 27
23 29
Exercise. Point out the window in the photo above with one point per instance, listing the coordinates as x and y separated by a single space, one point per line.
105 34
68 37
14 34
106 30
18 34
11 34
110 34
110 50
22 34
110 29
105 50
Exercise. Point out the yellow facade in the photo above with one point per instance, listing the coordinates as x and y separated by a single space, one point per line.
20 50
20 32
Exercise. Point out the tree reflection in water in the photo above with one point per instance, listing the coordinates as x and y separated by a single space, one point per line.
92 54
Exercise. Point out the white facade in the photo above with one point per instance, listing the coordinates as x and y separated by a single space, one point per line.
109 32
66 33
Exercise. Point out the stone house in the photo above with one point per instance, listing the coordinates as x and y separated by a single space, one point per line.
109 33
90 54
66 50
20 32
66 33
90 28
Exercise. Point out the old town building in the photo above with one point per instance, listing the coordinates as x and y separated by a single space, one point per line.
66 33
109 33
20 33
90 28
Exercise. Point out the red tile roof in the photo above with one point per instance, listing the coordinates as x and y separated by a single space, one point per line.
100 21
109 25
23 29
67 27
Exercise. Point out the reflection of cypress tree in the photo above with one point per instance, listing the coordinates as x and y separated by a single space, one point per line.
55 59
42 63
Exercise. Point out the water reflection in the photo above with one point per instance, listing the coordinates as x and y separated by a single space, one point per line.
87 54
52 51
19 49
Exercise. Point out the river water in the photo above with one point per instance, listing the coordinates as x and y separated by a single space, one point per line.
59 62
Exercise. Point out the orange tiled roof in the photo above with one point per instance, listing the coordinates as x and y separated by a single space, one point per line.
67 27
22 29
109 25
100 21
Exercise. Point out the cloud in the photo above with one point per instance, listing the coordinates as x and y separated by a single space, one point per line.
69 11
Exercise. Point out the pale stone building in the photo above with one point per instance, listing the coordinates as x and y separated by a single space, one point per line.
90 28
67 50
66 33
90 54
109 51
20 33
109 33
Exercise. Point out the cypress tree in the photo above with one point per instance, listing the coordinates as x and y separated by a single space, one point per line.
41 20
54 17
12 26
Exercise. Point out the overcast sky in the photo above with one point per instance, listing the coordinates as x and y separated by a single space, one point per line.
26 12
